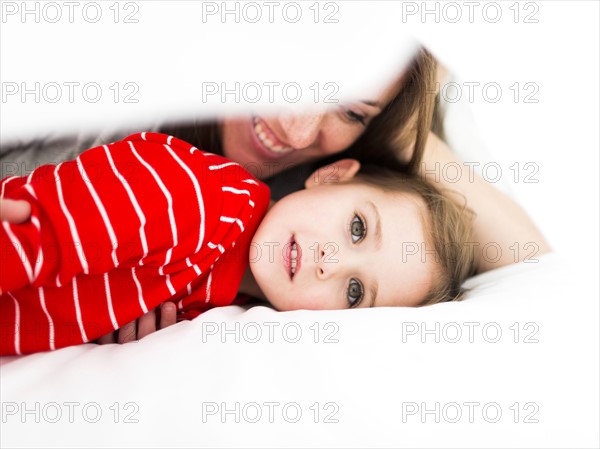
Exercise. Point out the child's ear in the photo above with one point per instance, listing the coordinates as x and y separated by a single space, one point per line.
339 171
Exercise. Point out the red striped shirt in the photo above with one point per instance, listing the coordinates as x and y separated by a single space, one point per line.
119 230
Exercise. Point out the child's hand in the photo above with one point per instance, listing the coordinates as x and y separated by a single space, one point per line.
14 211
145 325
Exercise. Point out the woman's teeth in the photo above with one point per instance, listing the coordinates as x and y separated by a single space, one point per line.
294 257
263 137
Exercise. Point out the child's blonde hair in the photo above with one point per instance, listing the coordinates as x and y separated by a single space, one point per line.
448 228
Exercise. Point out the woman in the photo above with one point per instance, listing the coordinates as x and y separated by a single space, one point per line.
392 129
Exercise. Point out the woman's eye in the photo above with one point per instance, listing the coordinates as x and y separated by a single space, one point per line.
356 117
355 292
357 229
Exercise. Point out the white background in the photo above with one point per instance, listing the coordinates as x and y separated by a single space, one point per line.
170 52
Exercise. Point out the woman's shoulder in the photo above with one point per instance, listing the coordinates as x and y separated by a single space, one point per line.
21 157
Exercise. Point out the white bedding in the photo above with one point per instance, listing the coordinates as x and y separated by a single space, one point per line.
360 371
368 369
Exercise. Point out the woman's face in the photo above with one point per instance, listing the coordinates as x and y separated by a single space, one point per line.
266 145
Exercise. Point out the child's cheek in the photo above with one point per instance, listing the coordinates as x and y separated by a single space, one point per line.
254 253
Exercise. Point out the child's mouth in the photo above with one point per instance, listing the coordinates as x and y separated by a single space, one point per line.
293 252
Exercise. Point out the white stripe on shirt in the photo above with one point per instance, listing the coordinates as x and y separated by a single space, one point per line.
78 310
17 341
134 202
109 303
139 289
198 195
188 262
29 188
233 220
72 226
39 261
42 297
234 190
113 237
211 245
220 166
6 181
170 284
19 249
167 195
208 282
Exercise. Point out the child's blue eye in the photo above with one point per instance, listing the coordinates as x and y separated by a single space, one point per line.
358 229
355 292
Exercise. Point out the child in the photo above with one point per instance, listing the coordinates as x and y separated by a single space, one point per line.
127 226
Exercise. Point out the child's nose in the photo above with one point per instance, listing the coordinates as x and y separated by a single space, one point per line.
335 261
321 266
301 131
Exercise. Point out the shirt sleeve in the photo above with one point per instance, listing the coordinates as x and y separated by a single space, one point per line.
136 202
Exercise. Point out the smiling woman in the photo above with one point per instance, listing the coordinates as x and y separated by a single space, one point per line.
396 122
288 140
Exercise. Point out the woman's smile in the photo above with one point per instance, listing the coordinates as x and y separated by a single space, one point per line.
266 140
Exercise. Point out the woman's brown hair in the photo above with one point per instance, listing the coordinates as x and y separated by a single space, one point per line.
397 137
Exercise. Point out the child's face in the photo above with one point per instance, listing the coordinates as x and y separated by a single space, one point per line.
357 246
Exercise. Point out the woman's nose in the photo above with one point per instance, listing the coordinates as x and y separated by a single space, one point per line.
301 131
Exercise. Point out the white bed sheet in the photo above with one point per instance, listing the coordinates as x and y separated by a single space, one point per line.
176 382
